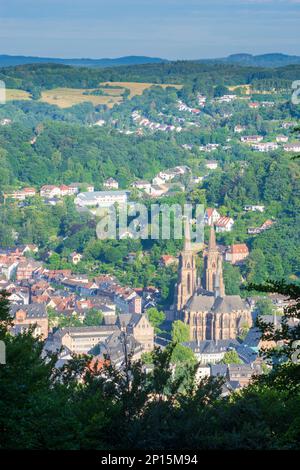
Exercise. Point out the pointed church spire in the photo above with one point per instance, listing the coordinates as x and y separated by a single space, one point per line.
212 245
187 235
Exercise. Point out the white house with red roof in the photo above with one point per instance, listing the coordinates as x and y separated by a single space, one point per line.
21 194
49 191
224 224
211 216
236 253
66 190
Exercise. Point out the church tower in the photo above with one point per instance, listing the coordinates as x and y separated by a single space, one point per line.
213 267
187 275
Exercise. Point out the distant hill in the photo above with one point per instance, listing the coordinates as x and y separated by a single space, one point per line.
263 60
10 60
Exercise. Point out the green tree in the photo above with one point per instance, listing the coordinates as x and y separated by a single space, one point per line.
180 332
156 318
264 306
232 279
231 357
93 317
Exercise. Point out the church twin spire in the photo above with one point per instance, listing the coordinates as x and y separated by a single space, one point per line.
187 276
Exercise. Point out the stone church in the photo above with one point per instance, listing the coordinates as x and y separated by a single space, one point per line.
204 306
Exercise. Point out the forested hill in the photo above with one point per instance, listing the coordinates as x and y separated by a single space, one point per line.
200 76
262 60
10 61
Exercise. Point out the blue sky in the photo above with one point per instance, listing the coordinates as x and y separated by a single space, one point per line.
163 28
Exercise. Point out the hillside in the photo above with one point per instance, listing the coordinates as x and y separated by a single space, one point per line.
36 77
263 60
10 61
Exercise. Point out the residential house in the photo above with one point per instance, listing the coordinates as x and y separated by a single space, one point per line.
26 269
66 190
282 139
101 198
241 373
238 129
142 331
251 139
224 224
142 185
158 190
292 147
237 253
50 191
168 260
265 147
111 183
211 216
115 348
21 194
25 316
211 164
254 208
254 104
127 300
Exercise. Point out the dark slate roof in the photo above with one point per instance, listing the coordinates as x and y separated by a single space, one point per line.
229 303
247 354
200 303
210 346
33 310
101 329
218 370
240 369
113 347
124 319
253 337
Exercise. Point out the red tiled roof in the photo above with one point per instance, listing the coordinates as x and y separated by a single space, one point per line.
239 248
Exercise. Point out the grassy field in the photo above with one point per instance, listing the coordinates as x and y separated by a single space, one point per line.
248 90
137 88
67 97
12 94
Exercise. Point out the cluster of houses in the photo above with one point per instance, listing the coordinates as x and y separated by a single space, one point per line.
153 126
265 226
263 104
49 191
257 144
209 147
184 107
34 291
225 98
162 182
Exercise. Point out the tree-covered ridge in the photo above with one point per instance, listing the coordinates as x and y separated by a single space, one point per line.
37 77
67 152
